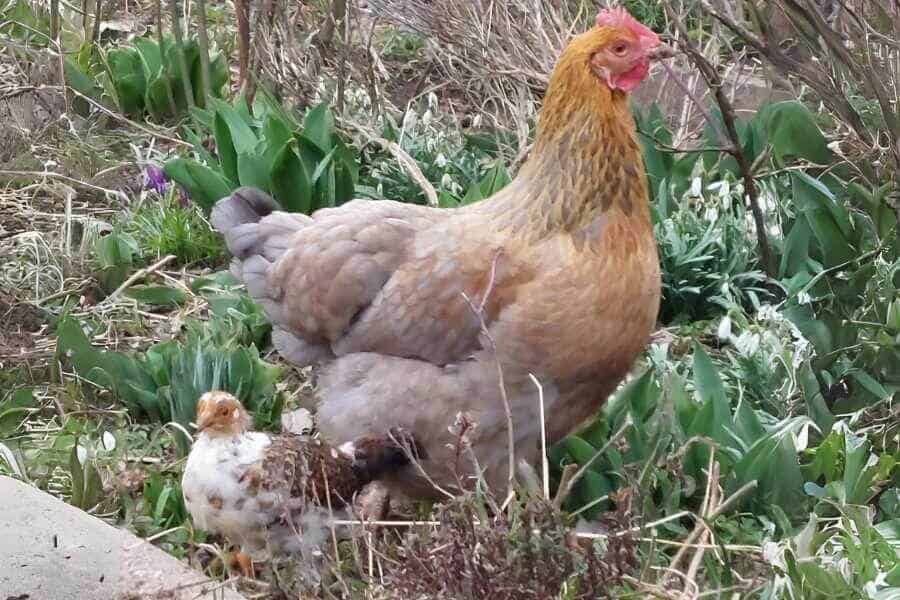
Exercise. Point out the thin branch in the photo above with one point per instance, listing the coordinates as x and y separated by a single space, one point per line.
714 81
139 274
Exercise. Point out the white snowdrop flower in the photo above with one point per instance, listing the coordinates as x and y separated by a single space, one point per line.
109 441
696 187
773 554
747 343
440 160
804 298
82 453
409 119
432 101
446 181
724 330
476 122
426 118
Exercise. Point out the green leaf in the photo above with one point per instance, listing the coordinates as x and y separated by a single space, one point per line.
225 147
218 74
796 249
205 186
638 397
290 183
276 132
127 74
80 81
242 136
151 57
253 170
159 98
710 390
318 127
157 295
580 450
870 385
793 133
829 222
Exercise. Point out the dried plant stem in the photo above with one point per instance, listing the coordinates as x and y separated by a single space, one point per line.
203 40
545 464
242 16
479 313
139 274
406 162
95 35
565 488
182 61
66 178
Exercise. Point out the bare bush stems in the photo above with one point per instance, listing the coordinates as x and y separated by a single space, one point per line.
734 148
496 53
868 69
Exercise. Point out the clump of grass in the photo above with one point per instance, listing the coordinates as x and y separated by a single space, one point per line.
169 227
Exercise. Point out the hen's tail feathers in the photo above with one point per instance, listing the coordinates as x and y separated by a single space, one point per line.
257 234
252 225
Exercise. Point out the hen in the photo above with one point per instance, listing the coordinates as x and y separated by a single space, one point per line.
272 494
560 265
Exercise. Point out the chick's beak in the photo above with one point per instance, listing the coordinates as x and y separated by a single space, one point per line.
204 420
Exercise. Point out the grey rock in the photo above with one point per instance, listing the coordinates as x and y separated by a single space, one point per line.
50 550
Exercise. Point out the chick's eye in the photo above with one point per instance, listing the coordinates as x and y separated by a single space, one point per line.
223 411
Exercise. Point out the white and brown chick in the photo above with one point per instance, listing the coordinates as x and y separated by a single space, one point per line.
273 494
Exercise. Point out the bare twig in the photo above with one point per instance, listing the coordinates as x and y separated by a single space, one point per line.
139 274
545 465
406 162
61 177
479 313
714 81
564 490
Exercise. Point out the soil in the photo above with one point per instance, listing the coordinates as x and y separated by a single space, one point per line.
18 321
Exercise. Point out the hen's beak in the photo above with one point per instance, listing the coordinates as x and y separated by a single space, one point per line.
662 51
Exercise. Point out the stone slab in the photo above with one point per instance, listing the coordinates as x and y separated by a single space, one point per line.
50 550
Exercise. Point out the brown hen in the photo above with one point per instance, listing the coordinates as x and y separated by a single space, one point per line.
561 265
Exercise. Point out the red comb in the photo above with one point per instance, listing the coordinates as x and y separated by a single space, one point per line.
619 17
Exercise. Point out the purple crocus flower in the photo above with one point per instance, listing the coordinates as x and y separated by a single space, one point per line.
155 179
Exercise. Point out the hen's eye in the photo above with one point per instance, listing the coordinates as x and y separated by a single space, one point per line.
620 49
